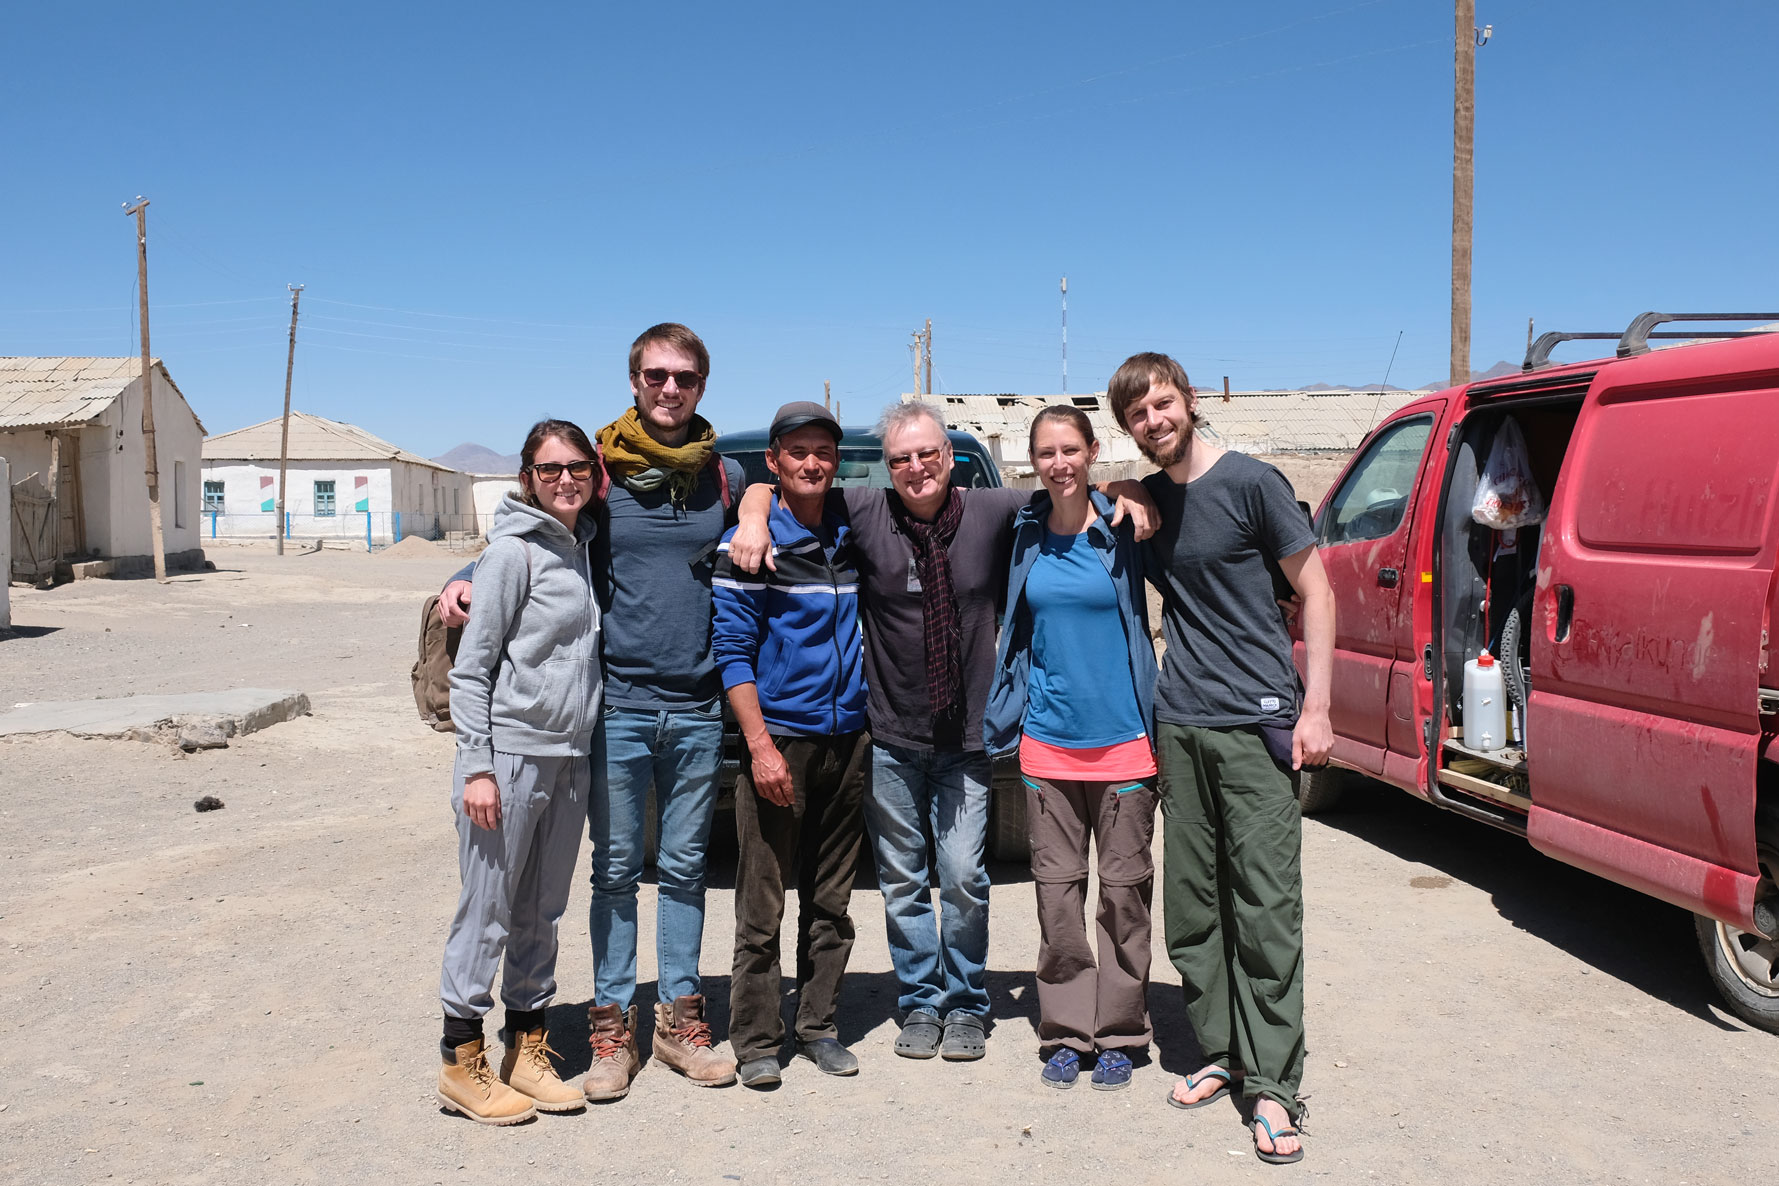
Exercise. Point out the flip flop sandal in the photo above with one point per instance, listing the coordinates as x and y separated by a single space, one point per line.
1192 1083
1274 1158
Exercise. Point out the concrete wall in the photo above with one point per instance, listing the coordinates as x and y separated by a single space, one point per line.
490 489
121 526
5 545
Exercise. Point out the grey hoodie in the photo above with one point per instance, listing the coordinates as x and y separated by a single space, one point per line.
527 678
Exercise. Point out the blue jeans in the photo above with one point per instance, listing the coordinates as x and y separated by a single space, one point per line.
678 751
943 795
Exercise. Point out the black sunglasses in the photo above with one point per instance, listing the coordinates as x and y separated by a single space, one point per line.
658 376
550 471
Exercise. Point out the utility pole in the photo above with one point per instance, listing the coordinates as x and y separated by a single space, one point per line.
1467 40
1065 335
296 294
929 350
151 462
827 395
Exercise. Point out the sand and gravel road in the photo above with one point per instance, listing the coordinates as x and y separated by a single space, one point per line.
248 995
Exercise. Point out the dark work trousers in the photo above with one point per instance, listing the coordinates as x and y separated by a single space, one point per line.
814 845
1082 1004
1232 896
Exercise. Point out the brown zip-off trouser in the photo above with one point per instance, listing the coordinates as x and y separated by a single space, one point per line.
1082 1004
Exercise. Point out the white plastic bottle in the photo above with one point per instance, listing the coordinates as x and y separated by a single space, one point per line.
1485 704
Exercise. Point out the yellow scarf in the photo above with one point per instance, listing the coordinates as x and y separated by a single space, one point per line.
642 463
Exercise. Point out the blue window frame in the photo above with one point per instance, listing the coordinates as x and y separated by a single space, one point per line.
213 496
324 500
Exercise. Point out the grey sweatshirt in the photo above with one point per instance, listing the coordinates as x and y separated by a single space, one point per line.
527 678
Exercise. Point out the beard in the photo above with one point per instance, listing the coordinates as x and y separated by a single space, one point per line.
1175 451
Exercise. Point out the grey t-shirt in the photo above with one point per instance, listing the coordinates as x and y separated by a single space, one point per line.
1214 560
895 646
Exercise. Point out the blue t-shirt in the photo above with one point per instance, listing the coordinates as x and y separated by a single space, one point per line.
1080 694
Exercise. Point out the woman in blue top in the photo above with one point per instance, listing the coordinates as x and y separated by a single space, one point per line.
1074 692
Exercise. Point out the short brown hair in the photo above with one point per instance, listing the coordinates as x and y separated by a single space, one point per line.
671 333
1131 382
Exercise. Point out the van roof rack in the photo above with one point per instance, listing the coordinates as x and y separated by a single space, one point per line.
1635 339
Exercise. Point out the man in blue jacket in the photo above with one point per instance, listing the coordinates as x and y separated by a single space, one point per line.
788 648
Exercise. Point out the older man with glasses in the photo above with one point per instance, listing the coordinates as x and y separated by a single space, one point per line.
933 570
662 723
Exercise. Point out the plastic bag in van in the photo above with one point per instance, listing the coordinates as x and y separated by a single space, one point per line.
1507 497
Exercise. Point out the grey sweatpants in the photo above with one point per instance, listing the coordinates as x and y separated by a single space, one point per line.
516 879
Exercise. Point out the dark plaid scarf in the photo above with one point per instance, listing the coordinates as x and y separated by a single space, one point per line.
938 601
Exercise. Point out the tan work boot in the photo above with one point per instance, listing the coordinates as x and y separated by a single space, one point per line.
682 1041
526 1069
468 1085
615 1061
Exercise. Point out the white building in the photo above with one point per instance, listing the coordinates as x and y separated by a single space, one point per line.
71 429
489 490
344 483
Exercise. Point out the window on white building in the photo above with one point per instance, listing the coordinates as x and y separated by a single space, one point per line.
324 500
213 496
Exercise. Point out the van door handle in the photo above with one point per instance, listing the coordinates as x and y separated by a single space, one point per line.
1565 611
1387 577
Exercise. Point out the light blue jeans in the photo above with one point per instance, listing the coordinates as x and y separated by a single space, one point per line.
678 751
915 795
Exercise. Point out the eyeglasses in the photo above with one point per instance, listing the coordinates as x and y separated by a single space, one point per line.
926 457
550 471
684 380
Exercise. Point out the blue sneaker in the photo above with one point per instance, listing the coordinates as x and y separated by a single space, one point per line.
1062 1069
1111 1072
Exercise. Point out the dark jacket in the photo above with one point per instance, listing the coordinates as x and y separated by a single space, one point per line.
1004 718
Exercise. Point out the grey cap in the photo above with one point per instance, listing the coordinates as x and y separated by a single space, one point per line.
801 414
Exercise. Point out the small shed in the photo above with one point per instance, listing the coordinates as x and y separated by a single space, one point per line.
344 483
71 429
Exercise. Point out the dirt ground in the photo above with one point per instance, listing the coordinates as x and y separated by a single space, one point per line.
248 995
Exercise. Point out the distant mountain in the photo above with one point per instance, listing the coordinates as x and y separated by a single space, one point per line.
1347 387
1494 372
479 459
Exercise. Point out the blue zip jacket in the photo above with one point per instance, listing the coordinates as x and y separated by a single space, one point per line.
1004 718
794 633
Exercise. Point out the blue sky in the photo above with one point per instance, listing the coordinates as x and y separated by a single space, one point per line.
487 203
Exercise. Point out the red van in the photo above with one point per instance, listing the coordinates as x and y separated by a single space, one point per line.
1632 626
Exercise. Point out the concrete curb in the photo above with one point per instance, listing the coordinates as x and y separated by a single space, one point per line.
195 720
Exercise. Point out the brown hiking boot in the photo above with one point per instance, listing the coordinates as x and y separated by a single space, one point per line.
467 1085
682 1041
526 1069
615 1061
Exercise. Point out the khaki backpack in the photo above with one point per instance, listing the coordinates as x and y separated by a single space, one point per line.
431 675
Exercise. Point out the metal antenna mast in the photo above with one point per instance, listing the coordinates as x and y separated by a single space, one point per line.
1065 335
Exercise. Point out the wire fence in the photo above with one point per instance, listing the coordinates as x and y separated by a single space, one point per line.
371 530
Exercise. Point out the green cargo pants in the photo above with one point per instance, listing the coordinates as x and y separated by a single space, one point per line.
1232 897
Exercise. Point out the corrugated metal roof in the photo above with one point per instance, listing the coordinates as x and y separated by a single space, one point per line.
67 392
312 438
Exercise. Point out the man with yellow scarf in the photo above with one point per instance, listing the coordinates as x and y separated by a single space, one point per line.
663 723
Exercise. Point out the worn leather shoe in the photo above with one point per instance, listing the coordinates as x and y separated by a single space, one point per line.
760 1073
829 1056
615 1061
526 1068
683 1041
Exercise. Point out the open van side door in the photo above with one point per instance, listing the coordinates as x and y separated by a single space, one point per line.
1643 727
1363 536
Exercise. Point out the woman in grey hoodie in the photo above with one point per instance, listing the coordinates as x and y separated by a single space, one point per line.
525 697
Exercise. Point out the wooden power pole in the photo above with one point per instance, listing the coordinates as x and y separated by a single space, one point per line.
928 345
827 395
151 462
1467 39
296 294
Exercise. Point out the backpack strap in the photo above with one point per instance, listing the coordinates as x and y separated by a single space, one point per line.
723 491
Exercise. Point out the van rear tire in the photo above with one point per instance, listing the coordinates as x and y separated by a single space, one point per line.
1743 966
1320 790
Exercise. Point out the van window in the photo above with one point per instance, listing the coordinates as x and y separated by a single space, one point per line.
1371 502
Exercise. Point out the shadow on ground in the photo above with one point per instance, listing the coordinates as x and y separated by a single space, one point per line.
1641 941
